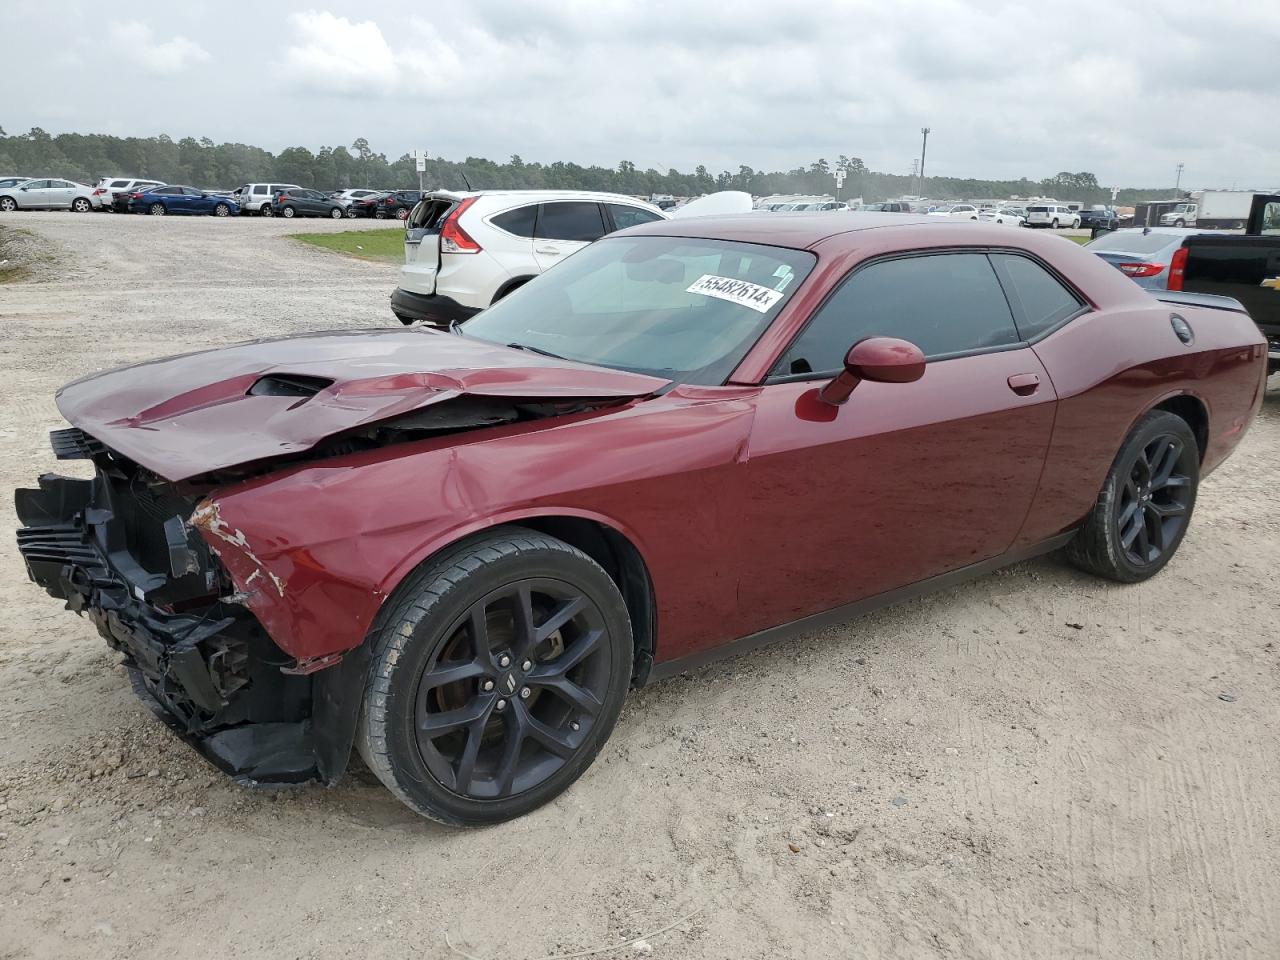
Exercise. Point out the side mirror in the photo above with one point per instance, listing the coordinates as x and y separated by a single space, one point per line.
879 359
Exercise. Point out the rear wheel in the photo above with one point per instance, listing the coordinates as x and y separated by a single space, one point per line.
80 205
402 214
379 214
351 213
1145 504
335 213
498 672
1054 225
288 213
157 210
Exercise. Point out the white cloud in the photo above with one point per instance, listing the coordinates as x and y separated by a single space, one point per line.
170 57
334 55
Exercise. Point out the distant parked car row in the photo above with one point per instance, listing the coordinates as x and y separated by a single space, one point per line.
25 193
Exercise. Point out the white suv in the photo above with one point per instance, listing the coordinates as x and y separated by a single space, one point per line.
1053 215
108 188
256 197
464 251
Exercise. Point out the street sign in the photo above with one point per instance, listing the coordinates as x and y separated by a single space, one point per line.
422 164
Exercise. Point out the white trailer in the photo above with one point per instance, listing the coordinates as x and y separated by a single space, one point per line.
1211 209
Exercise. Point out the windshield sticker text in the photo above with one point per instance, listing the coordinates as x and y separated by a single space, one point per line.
752 295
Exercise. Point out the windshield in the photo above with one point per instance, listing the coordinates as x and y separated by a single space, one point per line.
681 308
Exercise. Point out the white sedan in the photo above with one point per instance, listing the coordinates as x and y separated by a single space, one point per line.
49 195
956 211
1006 217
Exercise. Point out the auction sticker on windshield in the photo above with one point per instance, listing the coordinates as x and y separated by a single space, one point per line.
752 295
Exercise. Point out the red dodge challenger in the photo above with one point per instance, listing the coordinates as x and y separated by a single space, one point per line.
457 551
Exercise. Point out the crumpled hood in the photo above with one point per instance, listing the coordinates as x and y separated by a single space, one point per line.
187 415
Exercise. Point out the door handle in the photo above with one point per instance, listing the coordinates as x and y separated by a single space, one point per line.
547 251
1024 384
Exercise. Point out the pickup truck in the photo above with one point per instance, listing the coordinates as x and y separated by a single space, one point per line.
1245 267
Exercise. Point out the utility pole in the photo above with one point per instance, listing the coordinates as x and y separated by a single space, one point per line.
924 143
1178 184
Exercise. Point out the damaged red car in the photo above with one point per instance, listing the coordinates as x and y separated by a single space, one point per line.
455 551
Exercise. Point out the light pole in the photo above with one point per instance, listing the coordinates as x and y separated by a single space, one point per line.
1178 184
915 168
924 143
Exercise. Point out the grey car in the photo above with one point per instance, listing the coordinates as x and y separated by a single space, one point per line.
1144 254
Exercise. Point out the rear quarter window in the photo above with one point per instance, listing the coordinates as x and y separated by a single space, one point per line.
518 222
1039 299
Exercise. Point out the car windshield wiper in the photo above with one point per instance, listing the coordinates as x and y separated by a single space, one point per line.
455 326
545 353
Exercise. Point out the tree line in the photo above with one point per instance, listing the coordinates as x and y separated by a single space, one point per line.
203 163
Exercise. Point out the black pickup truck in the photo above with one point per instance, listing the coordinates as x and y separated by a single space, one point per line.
1246 268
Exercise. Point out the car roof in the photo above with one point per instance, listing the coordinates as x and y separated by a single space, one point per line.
797 230
544 194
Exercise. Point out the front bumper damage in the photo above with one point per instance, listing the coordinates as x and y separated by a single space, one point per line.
119 551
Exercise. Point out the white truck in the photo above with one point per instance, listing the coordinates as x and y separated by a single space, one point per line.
1211 209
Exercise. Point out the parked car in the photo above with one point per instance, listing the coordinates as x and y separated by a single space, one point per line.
256 197
956 211
464 251
396 204
1052 215
364 206
1243 266
896 206
52 194
459 552
114 191
1006 218
300 202
1099 218
179 199
1152 257
12 181
346 197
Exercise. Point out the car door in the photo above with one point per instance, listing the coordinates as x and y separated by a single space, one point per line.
33 195
563 228
60 194
905 481
194 201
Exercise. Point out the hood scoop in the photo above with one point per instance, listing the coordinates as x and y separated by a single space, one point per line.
288 385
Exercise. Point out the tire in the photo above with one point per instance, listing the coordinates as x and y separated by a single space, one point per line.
1054 225
157 210
266 211
8 204
222 210
1146 502
1179 223
80 205
351 214
379 214
336 213
402 214
288 213
494 718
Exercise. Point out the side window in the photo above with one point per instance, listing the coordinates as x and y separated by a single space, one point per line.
118 184
943 303
168 191
259 189
1271 218
625 216
570 220
192 192
519 221
1039 299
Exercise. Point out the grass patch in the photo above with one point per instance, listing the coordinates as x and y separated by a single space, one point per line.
380 246
20 251
1080 240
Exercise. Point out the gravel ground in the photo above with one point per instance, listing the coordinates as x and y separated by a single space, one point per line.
1037 764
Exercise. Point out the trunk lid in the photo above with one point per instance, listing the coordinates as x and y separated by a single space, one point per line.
188 415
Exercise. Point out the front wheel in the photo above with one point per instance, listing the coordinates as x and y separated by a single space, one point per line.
351 213
266 211
499 670
80 205
335 213
157 210
402 214
222 210
1054 225
1145 504
1179 223
8 204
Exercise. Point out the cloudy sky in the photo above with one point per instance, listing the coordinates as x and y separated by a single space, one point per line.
1026 88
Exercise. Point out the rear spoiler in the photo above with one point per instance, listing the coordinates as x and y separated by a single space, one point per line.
1209 300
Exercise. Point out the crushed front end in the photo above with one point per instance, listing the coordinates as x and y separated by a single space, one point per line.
118 549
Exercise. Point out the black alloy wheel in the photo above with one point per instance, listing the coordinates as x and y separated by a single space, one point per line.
1146 502
513 694
499 670
1155 502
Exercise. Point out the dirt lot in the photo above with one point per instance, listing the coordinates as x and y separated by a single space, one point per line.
1035 765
